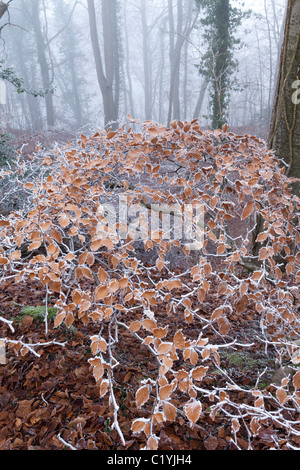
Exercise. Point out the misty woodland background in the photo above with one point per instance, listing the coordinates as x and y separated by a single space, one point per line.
153 53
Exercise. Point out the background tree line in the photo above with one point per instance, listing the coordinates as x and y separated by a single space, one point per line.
160 60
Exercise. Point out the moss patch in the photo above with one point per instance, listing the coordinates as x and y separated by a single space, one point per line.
38 313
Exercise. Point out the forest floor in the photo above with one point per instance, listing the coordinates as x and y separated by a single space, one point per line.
42 398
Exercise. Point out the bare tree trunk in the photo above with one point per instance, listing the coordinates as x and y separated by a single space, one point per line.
129 91
147 63
284 136
3 8
182 32
200 99
105 78
44 66
175 50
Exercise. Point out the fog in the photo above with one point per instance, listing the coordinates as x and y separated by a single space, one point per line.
146 66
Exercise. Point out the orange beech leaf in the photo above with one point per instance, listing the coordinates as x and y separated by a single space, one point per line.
87 273
96 244
160 332
142 396
193 410
281 396
135 326
257 275
76 296
248 210
262 236
138 425
64 221
101 292
56 235
152 443
4 223
69 320
201 295
51 249
221 249
212 236
59 319
108 313
170 412
90 259
14 256
165 392
179 340
104 387
113 285
218 312
199 373
32 214
102 275
164 348
102 345
224 326
167 362
85 305
160 264
123 282
110 135
35 245
255 426
98 372
235 425
149 294
149 324
296 380
263 254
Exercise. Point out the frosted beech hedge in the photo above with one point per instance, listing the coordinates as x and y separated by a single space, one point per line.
76 240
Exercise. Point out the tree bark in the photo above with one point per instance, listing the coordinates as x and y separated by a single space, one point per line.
200 99
105 77
175 51
41 50
3 8
284 136
129 89
146 63
182 32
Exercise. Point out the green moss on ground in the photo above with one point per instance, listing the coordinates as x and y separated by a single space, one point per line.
38 313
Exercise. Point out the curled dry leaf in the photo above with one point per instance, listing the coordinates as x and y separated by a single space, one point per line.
281 396
164 348
179 340
248 210
152 443
165 392
138 425
170 412
199 373
101 292
296 380
135 326
193 410
235 425
104 387
142 396
149 324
